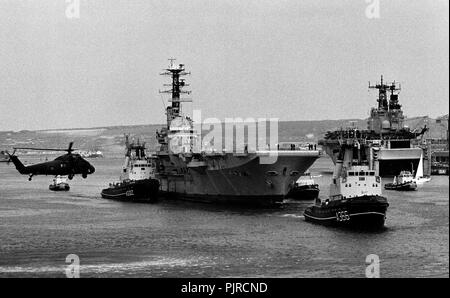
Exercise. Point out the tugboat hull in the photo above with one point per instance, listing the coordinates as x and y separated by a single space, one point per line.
134 191
359 212
402 186
304 192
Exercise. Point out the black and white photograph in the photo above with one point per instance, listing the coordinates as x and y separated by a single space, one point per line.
224 144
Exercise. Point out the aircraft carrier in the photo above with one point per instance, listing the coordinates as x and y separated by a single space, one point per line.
262 176
393 146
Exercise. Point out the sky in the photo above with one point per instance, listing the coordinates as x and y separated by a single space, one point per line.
286 59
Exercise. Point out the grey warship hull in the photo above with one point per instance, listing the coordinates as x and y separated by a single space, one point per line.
231 179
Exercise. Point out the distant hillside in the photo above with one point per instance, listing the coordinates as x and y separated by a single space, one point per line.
110 139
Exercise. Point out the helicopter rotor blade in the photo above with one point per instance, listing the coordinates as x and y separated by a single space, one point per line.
69 150
43 149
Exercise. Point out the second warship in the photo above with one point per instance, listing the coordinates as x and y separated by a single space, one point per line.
187 170
393 145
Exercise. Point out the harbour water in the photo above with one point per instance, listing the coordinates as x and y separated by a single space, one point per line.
39 228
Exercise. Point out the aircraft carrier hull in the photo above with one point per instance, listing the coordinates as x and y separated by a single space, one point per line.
234 179
251 201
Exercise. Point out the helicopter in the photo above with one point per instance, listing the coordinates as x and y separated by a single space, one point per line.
69 164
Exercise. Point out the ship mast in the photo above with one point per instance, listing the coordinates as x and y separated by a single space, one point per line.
383 89
138 148
176 72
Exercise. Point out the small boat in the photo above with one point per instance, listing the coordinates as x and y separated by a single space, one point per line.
419 178
59 184
137 182
404 182
91 154
304 188
355 198
4 156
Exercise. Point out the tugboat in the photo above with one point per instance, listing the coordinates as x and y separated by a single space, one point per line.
404 181
304 188
59 184
138 183
355 193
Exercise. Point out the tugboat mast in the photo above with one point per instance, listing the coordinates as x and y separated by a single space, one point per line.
138 148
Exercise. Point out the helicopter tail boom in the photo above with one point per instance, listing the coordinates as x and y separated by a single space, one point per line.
19 165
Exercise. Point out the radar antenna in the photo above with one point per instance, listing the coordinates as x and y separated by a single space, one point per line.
176 72
383 103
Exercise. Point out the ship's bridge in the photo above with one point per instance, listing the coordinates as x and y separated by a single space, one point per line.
181 123
141 169
359 181
182 137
